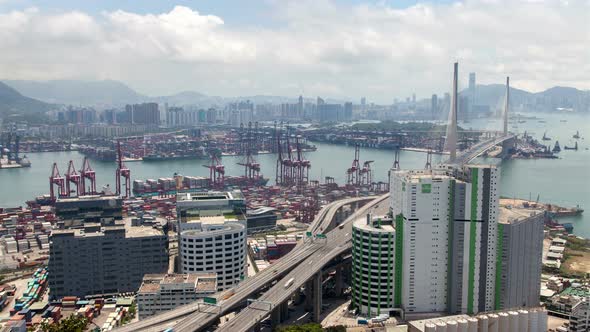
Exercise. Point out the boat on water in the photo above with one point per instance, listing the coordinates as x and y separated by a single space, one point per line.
577 135
545 137
132 159
542 121
562 120
575 147
556 148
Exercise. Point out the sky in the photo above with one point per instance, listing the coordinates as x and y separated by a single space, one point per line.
342 49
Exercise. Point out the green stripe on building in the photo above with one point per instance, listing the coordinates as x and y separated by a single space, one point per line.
450 237
389 236
379 287
472 233
399 247
500 248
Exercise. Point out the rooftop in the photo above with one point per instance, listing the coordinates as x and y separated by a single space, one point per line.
385 227
203 282
125 225
509 215
210 195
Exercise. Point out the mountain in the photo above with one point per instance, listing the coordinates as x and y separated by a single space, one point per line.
73 92
13 103
548 100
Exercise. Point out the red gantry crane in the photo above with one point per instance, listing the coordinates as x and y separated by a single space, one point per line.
87 173
352 174
59 181
73 177
216 172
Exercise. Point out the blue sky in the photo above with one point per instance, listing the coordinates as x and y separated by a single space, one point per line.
234 12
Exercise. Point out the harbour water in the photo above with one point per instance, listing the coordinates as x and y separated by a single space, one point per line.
564 181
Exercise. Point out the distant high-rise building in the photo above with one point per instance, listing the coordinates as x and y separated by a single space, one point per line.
363 103
329 112
320 101
472 99
146 113
434 106
300 107
347 112
414 98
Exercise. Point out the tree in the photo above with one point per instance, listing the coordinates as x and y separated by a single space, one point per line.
73 323
337 328
311 327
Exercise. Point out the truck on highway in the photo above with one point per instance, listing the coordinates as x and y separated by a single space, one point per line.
228 294
289 282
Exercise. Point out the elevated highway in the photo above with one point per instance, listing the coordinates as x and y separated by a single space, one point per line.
478 149
201 315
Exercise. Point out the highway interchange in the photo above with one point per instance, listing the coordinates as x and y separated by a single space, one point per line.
196 319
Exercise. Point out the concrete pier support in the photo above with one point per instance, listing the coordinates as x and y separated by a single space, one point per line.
284 311
339 282
308 296
275 316
317 297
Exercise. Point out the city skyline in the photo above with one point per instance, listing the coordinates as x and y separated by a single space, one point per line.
328 48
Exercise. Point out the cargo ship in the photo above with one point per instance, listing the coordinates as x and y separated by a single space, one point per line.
181 183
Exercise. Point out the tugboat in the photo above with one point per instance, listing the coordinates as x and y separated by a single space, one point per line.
556 148
545 138
577 135
24 161
565 147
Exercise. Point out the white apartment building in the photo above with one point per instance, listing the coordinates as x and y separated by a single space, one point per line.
446 234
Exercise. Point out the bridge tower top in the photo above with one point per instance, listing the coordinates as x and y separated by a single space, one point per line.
451 139
506 105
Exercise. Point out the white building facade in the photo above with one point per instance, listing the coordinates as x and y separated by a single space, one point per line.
446 228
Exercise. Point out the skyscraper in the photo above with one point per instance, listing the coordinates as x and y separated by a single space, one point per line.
434 106
472 99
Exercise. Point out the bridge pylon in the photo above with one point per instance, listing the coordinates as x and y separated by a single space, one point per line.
451 139
506 105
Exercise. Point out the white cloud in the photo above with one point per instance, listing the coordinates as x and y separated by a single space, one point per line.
320 47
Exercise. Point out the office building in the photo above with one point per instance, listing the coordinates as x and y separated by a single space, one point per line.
373 266
104 260
163 292
212 235
261 219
